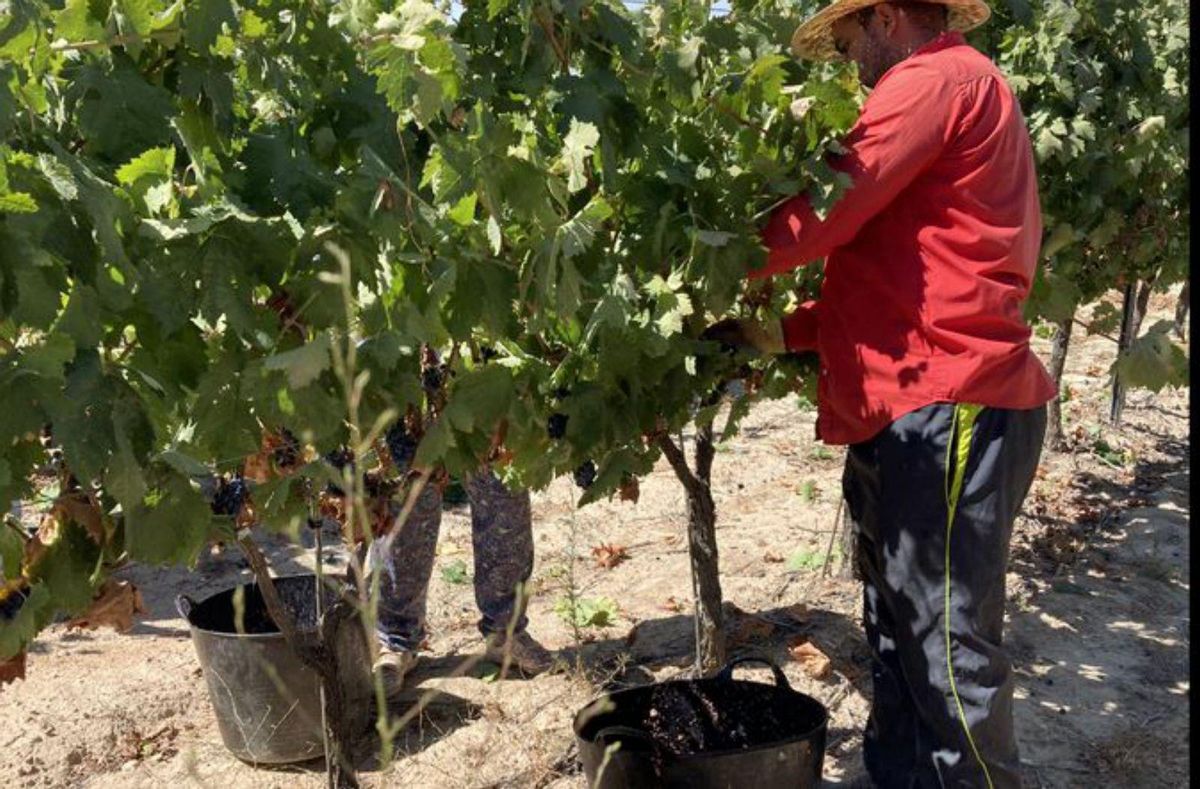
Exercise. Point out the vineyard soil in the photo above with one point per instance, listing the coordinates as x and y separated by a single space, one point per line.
1098 621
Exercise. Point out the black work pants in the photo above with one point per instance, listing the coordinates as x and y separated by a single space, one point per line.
933 498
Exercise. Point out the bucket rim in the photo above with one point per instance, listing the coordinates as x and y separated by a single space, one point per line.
807 734
194 604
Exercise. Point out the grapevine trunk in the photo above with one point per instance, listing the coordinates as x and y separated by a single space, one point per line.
1059 345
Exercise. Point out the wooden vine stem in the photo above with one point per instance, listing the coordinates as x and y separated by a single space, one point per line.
702 545
321 658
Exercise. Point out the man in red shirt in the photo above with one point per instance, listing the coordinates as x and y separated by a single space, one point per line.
925 372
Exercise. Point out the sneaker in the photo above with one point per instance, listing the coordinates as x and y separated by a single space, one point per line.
522 652
392 666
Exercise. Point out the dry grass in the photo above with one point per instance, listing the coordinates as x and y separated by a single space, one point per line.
1134 757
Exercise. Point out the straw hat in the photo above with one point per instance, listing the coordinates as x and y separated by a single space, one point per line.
814 38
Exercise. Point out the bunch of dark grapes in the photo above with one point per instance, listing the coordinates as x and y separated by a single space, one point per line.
556 425
339 459
286 454
401 445
585 475
230 496
11 600
431 379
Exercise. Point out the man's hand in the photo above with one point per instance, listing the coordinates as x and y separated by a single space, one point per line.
766 338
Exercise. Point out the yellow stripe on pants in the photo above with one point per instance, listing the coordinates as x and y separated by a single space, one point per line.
961 428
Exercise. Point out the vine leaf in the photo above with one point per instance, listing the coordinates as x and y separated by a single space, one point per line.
115 605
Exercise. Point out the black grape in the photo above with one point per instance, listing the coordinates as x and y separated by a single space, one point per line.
431 379
556 425
401 445
229 497
339 459
585 475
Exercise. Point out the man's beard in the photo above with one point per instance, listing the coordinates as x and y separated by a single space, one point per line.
878 56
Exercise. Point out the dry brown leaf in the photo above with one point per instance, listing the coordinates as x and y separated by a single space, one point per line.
113 606
257 468
13 668
631 490
608 555
814 662
672 605
84 511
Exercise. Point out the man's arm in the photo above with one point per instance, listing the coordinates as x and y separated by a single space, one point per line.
800 328
904 125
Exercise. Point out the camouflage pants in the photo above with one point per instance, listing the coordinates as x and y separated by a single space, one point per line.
502 538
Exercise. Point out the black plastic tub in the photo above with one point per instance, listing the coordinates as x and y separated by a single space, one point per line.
713 733
266 701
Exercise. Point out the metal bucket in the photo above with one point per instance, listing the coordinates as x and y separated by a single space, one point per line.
714 733
266 701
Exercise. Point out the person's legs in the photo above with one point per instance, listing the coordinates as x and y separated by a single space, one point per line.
502 536
405 563
948 484
890 739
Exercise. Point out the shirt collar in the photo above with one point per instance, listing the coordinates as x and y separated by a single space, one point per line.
950 38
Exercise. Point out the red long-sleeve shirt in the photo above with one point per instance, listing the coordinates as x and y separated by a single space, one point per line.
930 253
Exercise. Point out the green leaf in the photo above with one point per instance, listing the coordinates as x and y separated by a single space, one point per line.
463 213
31 617
66 568
434 444
1062 236
479 398
149 178
76 23
183 463
1047 144
281 503
203 21
577 233
578 146
1052 297
17 203
120 113
497 7
1153 361
83 420
1106 318
587 611
806 561
170 526
12 548
456 572
302 365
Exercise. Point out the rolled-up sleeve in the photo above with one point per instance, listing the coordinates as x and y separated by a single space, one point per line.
905 124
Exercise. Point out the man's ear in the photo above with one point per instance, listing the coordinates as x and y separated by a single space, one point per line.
889 18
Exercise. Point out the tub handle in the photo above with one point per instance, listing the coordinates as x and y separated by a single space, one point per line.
726 673
618 732
184 605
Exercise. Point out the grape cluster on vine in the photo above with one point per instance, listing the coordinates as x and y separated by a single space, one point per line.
585 475
230 496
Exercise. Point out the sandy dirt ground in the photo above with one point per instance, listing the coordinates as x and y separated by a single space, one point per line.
1098 622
